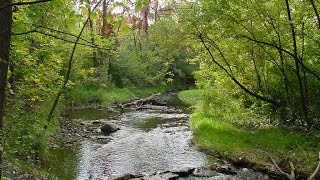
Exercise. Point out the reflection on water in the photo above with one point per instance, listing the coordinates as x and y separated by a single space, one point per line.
149 141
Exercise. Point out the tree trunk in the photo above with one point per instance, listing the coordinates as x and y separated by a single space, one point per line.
5 38
104 19
316 12
67 76
302 91
156 5
145 16
94 49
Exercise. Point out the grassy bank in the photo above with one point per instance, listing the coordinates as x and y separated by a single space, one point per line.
225 128
100 95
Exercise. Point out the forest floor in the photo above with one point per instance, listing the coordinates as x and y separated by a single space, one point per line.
251 143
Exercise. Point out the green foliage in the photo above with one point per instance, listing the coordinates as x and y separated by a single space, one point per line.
35 76
157 59
222 127
252 43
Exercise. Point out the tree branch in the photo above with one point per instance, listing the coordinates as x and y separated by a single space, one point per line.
67 33
285 51
263 98
24 3
24 33
67 76
89 44
316 12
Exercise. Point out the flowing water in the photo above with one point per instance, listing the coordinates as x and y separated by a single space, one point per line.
150 140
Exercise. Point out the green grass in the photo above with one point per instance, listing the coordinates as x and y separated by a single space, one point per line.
225 137
191 97
100 95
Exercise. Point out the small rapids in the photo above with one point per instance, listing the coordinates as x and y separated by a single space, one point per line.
148 141
153 142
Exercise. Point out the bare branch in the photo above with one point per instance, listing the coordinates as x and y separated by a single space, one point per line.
23 33
89 44
65 40
67 33
24 3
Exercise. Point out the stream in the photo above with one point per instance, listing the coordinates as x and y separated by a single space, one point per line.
152 143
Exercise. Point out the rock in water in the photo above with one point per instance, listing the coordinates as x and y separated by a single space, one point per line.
109 128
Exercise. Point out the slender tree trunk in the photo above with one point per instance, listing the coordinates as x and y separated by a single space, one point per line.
12 78
254 61
145 17
305 80
297 66
104 19
5 38
156 5
282 65
134 39
67 76
94 50
316 12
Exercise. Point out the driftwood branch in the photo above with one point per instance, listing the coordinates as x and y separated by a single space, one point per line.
292 175
281 172
316 171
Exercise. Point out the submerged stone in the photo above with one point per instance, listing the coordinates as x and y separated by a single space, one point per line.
109 128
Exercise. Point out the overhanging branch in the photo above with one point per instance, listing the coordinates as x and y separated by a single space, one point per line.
235 80
23 3
315 74
89 44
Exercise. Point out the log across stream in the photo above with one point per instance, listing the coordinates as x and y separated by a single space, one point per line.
154 142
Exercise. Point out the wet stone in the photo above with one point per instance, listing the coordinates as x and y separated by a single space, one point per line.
123 177
164 176
96 122
184 172
109 128
204 172
226 169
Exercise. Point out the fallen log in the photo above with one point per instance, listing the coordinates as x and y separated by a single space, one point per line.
137 103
